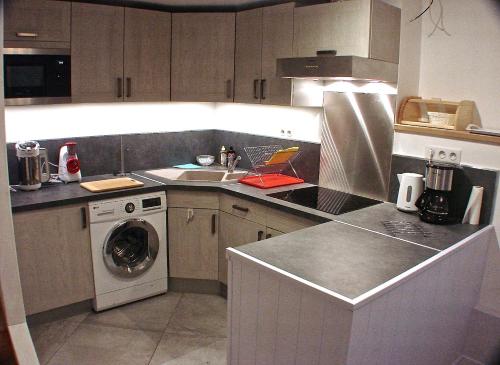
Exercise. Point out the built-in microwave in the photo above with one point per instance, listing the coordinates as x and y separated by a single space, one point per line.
37 76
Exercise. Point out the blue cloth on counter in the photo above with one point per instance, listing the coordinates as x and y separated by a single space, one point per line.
188 166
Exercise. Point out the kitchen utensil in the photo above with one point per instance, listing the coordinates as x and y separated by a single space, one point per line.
33 165
435 205
268 181
111 184
411 187
282 156
69 164
205 160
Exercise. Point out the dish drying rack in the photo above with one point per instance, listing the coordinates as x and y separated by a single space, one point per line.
268 165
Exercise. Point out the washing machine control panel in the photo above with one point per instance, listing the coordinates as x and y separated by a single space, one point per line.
129 207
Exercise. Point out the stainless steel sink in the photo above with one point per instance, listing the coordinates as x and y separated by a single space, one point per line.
198 175
201 175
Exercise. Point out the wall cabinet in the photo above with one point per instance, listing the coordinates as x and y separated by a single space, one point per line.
54 255
236 231
262 36
193 243
119 54
38 22
203 56
365 28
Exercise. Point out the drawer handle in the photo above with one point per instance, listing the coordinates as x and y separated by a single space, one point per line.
255 89
240 208
260 234
119 85
129 87
26 35
214 221
84 217
106 212
263 89
229 89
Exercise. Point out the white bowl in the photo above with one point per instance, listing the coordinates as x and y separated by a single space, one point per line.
205 160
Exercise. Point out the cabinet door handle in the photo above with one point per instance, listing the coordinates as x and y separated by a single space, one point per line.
229 89
129 87
255 89
240 208
263 89
26 35
119 84
260 234
269 235
214 221
83 211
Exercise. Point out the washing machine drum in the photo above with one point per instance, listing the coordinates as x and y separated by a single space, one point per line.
131 248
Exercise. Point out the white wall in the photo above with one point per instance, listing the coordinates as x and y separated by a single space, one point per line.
78 120
464 65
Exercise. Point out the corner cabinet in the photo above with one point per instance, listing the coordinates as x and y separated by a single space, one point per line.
203 57
119 54
193 243
37 23
262 36
365 28
54 255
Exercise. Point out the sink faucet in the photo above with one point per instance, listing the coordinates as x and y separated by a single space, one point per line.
232 164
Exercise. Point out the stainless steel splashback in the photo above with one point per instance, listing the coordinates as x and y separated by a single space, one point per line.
356 143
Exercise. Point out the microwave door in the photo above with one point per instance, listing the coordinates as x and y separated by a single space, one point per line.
25 81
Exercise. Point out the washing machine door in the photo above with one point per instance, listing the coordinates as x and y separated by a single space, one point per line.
131 248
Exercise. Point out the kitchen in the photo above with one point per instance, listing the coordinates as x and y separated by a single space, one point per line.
196 116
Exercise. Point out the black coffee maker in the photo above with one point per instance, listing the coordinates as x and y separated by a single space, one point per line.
435 204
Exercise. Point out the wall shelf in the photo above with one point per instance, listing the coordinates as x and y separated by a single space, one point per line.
445 133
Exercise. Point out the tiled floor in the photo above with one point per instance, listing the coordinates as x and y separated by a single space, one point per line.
171 329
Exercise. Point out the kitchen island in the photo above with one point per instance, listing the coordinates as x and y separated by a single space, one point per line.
345 293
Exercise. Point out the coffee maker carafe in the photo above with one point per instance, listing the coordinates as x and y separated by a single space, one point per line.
435 204
33 165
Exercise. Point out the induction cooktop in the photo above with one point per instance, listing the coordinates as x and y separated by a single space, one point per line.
327 200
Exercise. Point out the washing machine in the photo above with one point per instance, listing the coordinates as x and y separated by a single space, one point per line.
129 248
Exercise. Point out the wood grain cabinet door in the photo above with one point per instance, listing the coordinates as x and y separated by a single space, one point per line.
97 53
203 56
248 56
277 42
193 236
343 26
147 55
37 20
235 231
54 254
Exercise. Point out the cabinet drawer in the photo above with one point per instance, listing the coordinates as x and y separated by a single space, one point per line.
243 208
286 222
192 199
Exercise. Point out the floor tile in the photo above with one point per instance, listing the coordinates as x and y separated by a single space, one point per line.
150 314
199 314
189 350
103 345
49 337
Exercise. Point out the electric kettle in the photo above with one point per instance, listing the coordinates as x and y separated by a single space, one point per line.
411 187
32 164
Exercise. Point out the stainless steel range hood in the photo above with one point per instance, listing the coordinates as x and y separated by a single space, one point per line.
337 68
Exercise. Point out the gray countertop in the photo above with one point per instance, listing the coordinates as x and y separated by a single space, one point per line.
349 256
57 194
344 259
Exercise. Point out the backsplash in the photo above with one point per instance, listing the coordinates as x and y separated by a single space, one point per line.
463 181
101 154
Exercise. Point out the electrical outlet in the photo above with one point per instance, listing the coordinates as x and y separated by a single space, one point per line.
444 154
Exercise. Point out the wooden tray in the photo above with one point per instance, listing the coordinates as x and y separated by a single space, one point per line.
111 184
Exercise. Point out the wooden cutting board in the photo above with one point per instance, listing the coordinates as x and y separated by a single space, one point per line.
111 184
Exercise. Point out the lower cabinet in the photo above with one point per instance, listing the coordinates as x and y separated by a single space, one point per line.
54 254
236 231
193 243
